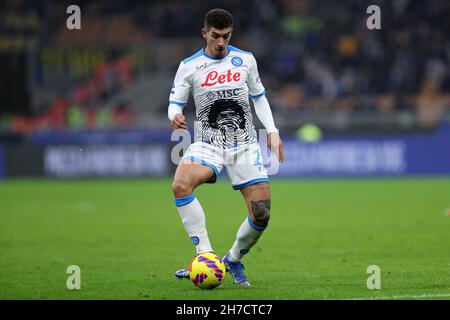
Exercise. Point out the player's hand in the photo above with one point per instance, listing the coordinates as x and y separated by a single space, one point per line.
276 145
179 122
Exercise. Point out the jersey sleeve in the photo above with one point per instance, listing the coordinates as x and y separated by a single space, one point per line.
181 87
255 86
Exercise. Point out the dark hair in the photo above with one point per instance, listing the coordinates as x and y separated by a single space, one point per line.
219 19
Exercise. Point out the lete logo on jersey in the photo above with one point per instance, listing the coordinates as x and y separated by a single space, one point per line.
214 78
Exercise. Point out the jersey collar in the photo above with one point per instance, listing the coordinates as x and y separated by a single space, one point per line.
214 58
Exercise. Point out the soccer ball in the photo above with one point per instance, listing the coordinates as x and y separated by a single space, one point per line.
207 271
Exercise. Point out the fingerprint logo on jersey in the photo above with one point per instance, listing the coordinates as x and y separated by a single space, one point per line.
226 115
226 122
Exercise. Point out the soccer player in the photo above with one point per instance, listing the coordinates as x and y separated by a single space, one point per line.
221 78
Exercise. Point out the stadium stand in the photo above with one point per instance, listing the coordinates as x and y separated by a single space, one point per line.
317 61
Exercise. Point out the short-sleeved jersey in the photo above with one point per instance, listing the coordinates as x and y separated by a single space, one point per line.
221 88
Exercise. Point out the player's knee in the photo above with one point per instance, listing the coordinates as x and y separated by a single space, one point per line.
261 212
181 188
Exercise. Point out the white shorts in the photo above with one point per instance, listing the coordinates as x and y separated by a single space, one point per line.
244 164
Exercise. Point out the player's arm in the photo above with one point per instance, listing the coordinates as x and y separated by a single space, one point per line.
263 111
264 114
178 98
176 117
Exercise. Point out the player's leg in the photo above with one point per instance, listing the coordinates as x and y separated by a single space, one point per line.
188 176
250 177
257 198
201 164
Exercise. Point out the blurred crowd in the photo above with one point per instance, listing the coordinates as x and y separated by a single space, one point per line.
313 55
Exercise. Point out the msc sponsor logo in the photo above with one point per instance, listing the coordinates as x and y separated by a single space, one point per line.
223 94
213 78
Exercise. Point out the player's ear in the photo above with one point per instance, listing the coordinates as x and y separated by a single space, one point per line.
204 31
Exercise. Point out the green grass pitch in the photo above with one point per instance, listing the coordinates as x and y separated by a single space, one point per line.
127 238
